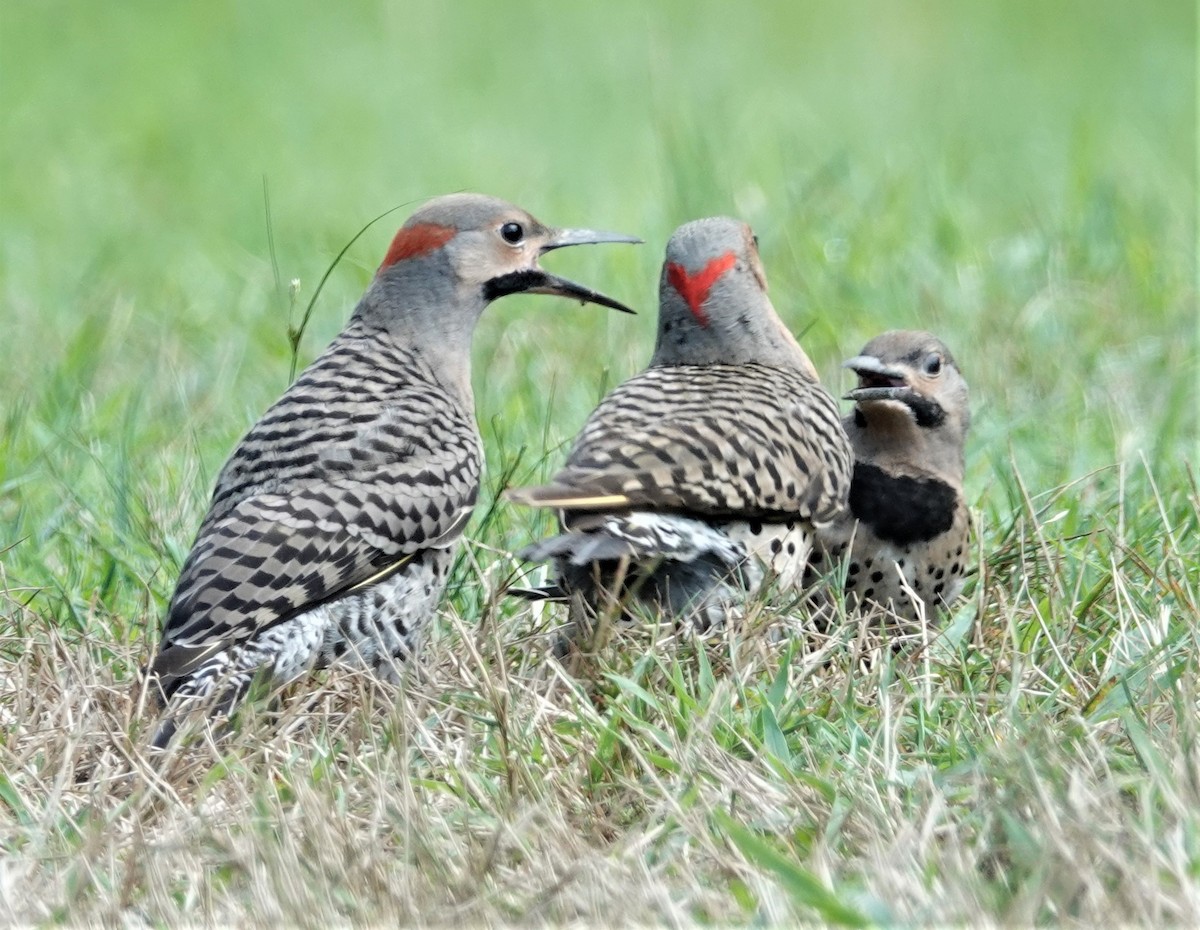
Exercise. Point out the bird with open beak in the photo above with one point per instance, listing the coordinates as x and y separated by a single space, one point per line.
334 523
907 525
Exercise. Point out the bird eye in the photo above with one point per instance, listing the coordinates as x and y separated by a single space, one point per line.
933 365
754 239
512 233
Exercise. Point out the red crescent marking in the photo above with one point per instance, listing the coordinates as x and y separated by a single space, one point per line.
694 288
414 241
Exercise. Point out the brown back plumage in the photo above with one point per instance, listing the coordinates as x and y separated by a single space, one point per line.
728 423
368 467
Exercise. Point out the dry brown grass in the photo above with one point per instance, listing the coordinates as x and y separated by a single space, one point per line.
1017 773
1019 178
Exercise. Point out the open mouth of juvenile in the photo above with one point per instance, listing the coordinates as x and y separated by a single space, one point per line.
874 379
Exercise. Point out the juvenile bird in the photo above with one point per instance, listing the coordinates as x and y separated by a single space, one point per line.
334 523
906 529
703 476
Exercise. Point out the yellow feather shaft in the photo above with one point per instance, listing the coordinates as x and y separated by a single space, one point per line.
541 497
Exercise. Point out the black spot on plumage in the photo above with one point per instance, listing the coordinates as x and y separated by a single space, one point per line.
223 583
773 471
940 574
342 465
869 592
937 588
854 568
303 460
900 509
776 546
262 579
877 577
309 552
229 553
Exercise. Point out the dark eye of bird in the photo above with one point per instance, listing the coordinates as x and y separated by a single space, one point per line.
933 365
512 233
755 240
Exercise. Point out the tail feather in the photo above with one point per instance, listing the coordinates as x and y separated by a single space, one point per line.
639 536
552 593
684 567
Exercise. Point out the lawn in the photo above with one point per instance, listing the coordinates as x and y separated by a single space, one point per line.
1019 178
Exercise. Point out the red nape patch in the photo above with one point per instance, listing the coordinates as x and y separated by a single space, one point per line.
417 240
694 288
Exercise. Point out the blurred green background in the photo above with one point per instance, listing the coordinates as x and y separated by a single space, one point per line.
1018 177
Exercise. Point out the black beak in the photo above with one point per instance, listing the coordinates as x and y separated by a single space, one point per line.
561 238
537 281
877 381
553 284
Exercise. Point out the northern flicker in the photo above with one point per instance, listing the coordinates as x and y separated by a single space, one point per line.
702 477
907 525
333 525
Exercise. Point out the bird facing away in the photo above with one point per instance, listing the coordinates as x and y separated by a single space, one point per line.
702 476
906 529
333 525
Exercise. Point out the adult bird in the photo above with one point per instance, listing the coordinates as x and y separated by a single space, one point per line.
334 523
702 477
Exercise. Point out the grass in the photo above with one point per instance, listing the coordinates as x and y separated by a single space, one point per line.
1020 179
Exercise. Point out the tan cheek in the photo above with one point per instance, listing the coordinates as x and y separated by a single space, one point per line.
492 260
503 258
759 272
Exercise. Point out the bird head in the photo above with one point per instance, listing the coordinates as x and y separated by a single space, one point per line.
713 304
909 380
482 249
